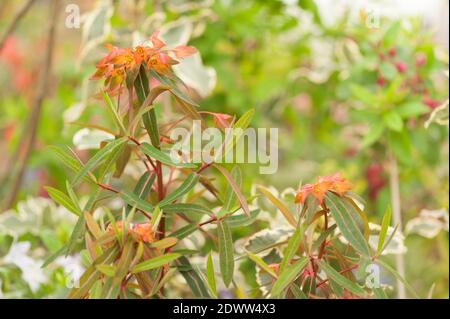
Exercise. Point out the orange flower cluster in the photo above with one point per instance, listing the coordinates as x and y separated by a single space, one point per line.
120 62
335 183
143 232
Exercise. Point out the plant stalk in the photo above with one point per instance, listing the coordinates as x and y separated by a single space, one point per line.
397 218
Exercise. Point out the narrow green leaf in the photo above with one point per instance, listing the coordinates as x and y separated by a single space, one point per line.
292 247
384 229
210 274
164 158
289 274
173 88
164 243
184 231
112 109
125 260
92 225
143 187
186 208
108 270
134 200
235 188
156 218
189 183
155 262
98 158
261 263
341 280
281 207
347 224
243 220
62 199
192 278
71 163
225 252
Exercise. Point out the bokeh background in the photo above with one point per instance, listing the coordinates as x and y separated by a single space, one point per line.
305 66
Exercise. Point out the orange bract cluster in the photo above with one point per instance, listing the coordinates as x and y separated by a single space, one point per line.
120 62
335 183
143 232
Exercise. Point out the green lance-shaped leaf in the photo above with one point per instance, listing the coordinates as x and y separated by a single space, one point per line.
226 255
292 247
187 209
98 158
156 218
347 224
341 280
164 243
71 162
281 207
233 137
384 229
155 262
113 110
210 274
80 228
108 270
189 183
261 263
147 105
193 279
55 255
173 88
184 231
155 153
91 274
235 188
289 274
230 195
142 188
297 291
149 118
62 199
92 225
134 200
243 220
125 260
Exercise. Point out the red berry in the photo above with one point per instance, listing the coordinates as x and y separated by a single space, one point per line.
401 67
375 179
392 52
381 80
381 56
431 103
420 59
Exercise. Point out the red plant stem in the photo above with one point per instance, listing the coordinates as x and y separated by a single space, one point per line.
108 188
341 272
135 141
203 167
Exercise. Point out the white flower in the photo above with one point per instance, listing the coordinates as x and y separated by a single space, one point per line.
31 269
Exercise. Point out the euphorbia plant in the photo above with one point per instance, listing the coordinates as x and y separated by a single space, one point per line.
135 250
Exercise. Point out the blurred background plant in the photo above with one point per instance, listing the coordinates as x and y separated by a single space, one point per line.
347 85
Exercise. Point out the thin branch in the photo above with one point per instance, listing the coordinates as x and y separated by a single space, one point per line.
15 22
397 218
28 139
